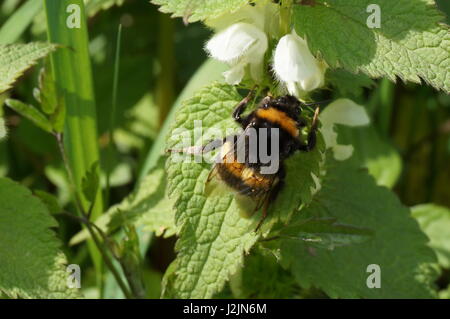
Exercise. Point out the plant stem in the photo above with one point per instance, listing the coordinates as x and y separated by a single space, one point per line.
108 262
285 16
72 72
85 219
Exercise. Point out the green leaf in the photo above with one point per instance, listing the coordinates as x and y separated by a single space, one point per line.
399 247
31 113
263 277
410 44
148 206
303 170
168 280
49 200
31 263
214 232
435 222
194 10
349 84
325 233
47 91
90 183
15 59
48 98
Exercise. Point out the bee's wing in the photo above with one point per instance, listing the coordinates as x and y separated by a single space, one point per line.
240 147
233 148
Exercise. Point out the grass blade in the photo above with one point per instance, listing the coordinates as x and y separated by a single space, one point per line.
112 118
72 72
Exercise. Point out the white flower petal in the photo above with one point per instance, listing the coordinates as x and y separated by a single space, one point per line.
293 62
235 74
292 88
317 184
235 41
344 112
342 152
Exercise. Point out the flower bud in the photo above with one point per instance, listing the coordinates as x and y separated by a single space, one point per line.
295 65
239 45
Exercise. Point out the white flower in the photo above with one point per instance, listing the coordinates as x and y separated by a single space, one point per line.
239 45
343 112
295 65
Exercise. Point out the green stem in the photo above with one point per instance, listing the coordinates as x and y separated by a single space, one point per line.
72 72
285 16
84 219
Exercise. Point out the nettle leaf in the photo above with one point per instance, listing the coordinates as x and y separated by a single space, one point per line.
15 59
325 233
214 231
49 200
31 113
31 262
47 91
435 222
194 10
349 84
148 206
300 182
263 277
410 44
216 227
399 247
48 99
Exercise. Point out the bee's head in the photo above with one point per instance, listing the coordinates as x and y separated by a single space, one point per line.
288 104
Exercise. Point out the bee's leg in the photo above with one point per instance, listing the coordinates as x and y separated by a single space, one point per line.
311 139
259 204
211 174
272 196
240 108
198 150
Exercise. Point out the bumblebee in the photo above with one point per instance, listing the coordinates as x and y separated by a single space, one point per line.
241 164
